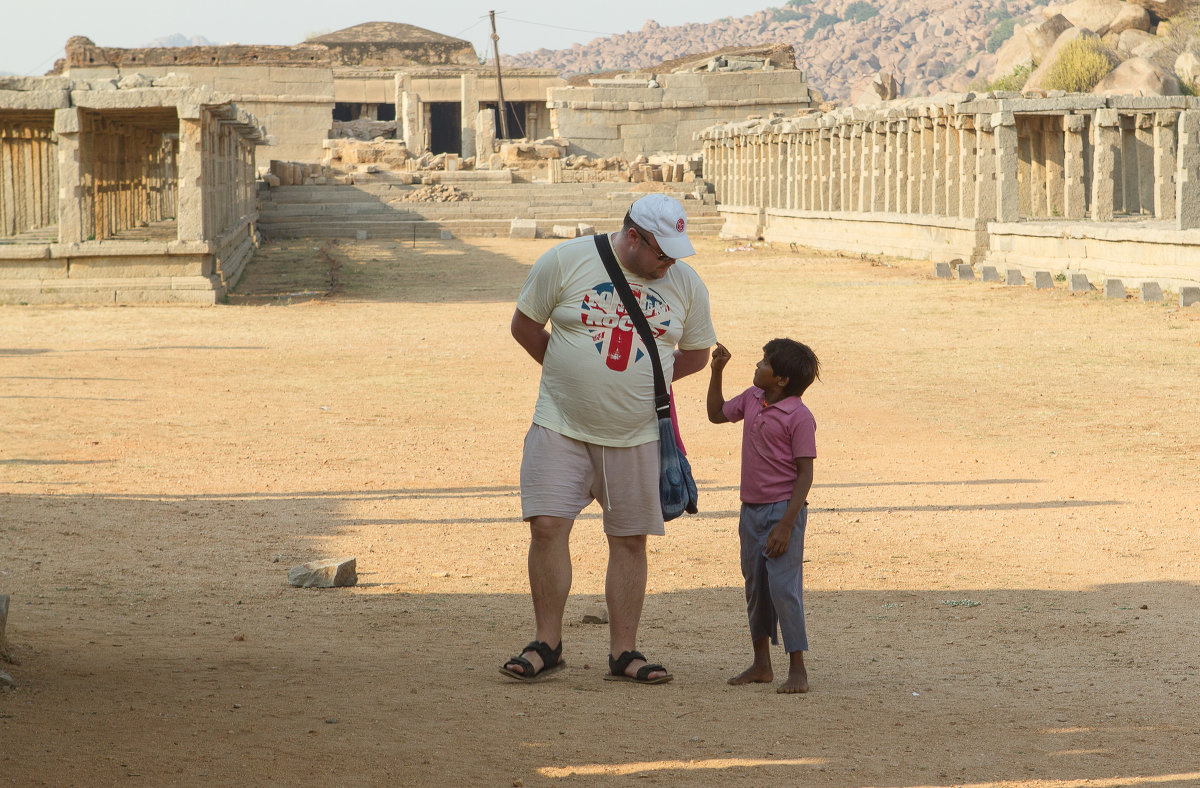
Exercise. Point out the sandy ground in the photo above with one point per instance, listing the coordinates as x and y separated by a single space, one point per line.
1002 547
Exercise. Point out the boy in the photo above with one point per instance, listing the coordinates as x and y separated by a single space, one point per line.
778 449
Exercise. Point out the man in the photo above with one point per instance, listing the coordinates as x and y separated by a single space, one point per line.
594 433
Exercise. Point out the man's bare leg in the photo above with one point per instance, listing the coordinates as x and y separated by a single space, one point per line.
624 592
797 680
760 671
549 581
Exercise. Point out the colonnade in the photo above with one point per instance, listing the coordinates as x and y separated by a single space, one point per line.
1076 157
28 174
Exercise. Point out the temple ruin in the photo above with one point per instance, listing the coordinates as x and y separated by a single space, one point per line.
123 192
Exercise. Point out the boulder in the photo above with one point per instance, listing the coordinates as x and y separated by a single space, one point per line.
1012 54
1164 9
1100 16
1129 40
1040 74
878 89
1138 77
1042 36
1187 67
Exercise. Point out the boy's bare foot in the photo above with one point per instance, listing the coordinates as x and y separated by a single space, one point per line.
797 680
755 674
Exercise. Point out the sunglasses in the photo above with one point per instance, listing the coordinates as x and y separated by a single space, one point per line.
658 252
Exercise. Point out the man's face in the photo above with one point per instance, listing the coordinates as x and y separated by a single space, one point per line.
649 261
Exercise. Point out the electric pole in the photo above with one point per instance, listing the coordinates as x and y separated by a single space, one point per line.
499 84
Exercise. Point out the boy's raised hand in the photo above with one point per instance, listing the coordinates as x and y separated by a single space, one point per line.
720 357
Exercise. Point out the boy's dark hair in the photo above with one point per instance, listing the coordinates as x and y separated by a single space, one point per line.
794 361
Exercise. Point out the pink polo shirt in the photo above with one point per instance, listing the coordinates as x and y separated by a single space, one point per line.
773 438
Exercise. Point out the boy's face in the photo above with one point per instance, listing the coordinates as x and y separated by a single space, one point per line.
764 376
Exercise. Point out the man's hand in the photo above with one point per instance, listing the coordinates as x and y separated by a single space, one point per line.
778 539
720 357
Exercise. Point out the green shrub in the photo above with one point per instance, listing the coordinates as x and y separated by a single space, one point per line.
822 20
1001 33
860 11
797 3
1013 81
785 14
1080 65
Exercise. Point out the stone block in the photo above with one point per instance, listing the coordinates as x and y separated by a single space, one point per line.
965 271
1114 288
447 235
942 271
566 231
586 229
989 274
523 228
1013 276
361 235
327 573
1078 283
1151 291
1042 280
1189 296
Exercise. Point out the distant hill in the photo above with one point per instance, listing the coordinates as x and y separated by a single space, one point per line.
180 40
931 45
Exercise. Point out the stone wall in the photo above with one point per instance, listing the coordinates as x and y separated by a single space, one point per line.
635 116
1107 186
293 103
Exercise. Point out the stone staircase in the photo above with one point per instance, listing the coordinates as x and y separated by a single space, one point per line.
375 209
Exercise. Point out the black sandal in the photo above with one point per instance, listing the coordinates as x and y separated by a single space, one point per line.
552 662
616 669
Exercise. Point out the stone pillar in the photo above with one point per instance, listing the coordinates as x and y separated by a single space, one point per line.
1034 203
190 217
929 165
879 167
1107 142
941 158
840 196
965 176
1165 155
1144 136
468 113
485 139
70 177
1055 150
912 166
985 191
411 114
1187 179
900 175
1008 195
1074 193
821 182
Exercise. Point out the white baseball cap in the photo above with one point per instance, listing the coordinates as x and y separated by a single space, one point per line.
664 218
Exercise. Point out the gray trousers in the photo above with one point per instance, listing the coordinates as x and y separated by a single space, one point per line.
774 586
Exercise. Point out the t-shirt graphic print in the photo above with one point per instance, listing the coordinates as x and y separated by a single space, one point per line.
613 332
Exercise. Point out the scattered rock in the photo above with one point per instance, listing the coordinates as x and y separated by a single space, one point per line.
6 680
595 614
328 573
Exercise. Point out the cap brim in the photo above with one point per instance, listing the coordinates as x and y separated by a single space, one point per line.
676 247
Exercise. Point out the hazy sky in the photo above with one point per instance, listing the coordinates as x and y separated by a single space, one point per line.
34 32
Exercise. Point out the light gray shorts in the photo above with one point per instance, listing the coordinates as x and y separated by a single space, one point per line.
560 476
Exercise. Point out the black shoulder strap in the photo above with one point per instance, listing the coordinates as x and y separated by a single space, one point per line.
662 400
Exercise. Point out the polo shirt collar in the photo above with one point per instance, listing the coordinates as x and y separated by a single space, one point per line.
786 405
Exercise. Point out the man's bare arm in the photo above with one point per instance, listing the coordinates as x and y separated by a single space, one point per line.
689 362
530 335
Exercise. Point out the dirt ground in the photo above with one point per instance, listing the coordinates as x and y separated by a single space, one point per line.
1002 577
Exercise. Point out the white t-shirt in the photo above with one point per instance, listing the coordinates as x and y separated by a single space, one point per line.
597 381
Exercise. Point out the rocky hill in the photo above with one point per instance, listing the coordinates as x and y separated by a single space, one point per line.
929 45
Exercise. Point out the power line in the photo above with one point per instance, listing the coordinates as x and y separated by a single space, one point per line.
558 27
